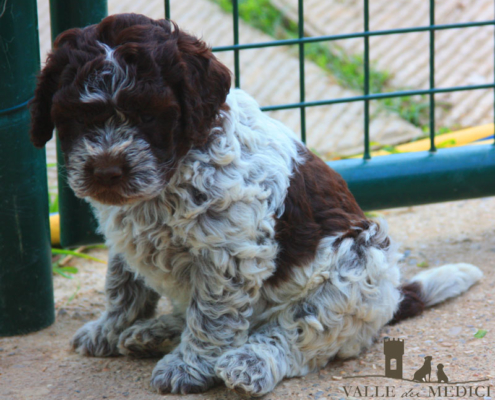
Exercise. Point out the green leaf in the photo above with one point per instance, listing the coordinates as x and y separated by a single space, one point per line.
76 254
391 149
480 334
96 246
423 264
70 270
53 203
447 143
72 297
60 271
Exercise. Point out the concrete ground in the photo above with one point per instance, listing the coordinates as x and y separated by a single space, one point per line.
41 365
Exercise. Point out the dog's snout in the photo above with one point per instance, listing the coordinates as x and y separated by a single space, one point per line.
108 174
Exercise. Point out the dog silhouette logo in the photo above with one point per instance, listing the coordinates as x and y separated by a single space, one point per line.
394 351
425 370
442 386
442 377
423 384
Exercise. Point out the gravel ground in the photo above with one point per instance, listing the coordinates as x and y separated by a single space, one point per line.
41 365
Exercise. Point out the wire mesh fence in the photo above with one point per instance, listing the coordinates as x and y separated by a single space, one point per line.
366 97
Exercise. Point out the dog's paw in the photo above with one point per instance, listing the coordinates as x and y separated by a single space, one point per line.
148 339
95 339
245 373
173 375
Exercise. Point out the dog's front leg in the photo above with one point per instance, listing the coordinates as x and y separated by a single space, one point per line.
128 299
216 321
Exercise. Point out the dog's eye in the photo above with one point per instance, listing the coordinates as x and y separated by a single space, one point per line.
147 118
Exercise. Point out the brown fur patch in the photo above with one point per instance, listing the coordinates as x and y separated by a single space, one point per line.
318 204
411 304
179 82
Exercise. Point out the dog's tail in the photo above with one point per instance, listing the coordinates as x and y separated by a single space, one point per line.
434 286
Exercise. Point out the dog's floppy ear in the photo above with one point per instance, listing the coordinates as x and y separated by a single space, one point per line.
48 83
205 85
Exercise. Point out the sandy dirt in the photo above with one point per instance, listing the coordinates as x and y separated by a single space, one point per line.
42 366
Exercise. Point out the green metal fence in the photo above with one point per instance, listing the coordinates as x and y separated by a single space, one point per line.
26 292
77 222
399 179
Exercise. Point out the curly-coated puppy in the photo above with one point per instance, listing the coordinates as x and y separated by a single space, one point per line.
272 267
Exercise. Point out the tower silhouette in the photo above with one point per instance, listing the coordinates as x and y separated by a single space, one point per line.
394 350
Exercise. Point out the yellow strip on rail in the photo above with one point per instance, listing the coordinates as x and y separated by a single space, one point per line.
452 139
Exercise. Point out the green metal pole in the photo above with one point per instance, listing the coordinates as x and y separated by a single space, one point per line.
302 82
26 290
237 62
77 222
366 154
401 180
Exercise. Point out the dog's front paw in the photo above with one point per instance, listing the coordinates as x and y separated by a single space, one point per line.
96 339
173 375
148 338
245 373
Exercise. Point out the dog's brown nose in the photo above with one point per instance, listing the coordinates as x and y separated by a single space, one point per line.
108 175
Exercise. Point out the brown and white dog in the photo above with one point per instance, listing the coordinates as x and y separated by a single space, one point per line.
271 266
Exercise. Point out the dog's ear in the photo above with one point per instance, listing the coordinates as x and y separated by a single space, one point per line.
48 83
205 81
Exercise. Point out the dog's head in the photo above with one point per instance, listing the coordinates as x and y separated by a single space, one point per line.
428 358
440 366
129 97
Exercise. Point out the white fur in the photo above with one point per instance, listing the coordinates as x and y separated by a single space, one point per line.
96 88
442 283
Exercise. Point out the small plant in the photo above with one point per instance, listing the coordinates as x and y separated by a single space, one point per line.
447 143
52 194
480 333
60 267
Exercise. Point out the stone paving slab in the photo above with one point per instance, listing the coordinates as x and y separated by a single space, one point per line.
271 76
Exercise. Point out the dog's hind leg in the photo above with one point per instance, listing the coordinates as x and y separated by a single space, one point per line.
128 300
152 338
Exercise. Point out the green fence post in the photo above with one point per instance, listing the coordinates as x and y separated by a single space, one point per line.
26 290
77 222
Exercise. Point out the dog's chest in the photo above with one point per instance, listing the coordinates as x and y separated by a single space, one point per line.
143 235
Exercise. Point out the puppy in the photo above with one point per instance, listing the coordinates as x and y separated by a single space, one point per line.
270 264
420 374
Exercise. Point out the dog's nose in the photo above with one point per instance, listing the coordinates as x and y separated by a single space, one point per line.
109 174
